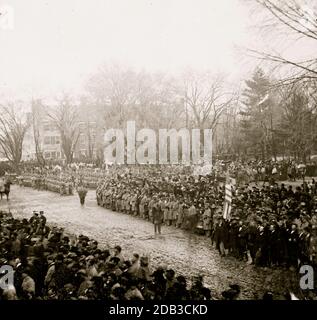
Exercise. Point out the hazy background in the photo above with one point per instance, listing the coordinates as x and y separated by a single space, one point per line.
56 45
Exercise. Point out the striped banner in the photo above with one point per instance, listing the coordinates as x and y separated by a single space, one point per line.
228 193
226 210
228 198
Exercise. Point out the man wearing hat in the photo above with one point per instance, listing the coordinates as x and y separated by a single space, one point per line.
34 221
118 254
82 192
41 223
207 218
157 218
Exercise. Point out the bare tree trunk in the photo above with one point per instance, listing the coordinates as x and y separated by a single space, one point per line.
36 135
12 132
65 118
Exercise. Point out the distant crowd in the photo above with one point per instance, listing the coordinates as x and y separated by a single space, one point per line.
59 179
268 171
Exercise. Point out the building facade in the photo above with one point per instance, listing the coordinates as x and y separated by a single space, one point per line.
43 135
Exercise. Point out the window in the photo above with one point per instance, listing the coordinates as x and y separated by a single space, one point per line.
52 140
82 140
52 155
82 127
47 140
49 126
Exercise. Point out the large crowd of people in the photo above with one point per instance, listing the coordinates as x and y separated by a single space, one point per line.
269 225
181 196
59 179
267 171
48 264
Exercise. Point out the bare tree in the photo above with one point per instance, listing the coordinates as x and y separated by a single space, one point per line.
159 103
36 132
206 98
299 20
114 87
91 141
229 138
65 119
150 99
13 127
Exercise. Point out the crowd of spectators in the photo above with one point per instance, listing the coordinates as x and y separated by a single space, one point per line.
48 264
270 225
268 171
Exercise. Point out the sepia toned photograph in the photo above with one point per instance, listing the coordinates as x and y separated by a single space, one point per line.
159 151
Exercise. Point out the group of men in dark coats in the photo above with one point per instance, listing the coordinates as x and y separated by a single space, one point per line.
270 226
50 265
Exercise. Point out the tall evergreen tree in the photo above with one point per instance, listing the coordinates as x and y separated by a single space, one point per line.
258 116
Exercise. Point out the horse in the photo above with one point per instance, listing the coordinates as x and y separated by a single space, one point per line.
5 188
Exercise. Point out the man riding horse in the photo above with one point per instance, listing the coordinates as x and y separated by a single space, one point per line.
5 187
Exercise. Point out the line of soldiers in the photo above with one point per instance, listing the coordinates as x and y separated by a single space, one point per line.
53 183
167 203
35 176
269 226
161 208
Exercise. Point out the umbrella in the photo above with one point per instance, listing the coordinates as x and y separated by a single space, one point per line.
300 166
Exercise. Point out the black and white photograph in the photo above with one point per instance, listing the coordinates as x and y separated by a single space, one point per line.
159 151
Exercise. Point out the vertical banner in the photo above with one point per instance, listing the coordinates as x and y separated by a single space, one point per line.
227 202
228 198
226 210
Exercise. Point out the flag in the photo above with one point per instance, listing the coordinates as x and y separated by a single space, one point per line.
227 203
226 210
228 193
230 184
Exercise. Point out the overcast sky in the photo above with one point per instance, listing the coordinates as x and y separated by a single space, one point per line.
56 44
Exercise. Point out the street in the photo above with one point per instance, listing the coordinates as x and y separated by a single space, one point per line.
185 253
